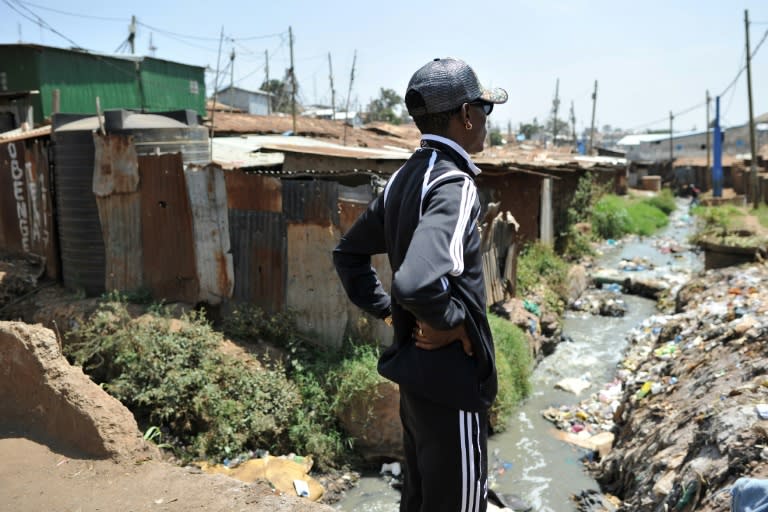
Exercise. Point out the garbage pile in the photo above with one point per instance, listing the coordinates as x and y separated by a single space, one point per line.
689 406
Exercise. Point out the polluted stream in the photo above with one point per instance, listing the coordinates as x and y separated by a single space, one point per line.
528 460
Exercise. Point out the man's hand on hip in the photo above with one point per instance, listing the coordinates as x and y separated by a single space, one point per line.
428 338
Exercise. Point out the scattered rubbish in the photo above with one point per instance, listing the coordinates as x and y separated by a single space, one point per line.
281 472
393 468
531 307
573 385
302 489
762 411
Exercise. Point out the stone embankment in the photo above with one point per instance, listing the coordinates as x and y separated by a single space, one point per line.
689 407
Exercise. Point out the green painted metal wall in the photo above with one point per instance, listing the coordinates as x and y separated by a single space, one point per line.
169 84
147 84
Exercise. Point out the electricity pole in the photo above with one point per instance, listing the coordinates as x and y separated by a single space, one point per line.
132 34
753 164
573 123
216 90
333 91
709 172
671 154
293 81
231 77
269 98
349 95
555 106
592 125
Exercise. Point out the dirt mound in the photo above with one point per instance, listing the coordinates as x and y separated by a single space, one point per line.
42 392
67 445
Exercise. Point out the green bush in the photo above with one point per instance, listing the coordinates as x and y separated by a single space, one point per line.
540 271
645 218
210 404
664 201
610 218
514 365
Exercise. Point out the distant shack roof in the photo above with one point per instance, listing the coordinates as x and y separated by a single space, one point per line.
295 154
227 123
291 156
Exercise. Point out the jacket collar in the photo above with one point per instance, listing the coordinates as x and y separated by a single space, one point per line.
461 156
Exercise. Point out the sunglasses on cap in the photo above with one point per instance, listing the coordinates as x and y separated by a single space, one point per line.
487 107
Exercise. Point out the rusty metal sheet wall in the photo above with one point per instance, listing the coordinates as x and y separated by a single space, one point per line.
520 194
166 229
208 199
313 290
26 208
360 193
253 192
120 217
259 253
311 201
115 185
360 324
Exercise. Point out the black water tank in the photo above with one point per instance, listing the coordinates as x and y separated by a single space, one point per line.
81 243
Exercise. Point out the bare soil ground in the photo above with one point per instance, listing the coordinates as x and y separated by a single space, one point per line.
67 446
36 476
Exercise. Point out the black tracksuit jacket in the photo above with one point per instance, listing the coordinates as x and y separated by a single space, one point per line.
426 221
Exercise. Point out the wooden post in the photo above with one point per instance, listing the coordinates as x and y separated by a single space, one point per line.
293 81
708 174
753 151
349 95
592 129
56 101
333 91
269 98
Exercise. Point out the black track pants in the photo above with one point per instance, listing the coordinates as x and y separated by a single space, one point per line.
446 464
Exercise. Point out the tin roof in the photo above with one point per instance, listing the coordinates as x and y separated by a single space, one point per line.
262 151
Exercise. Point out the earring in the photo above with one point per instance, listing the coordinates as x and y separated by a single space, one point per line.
467 125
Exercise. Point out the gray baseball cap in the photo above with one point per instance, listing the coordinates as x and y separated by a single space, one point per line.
445 84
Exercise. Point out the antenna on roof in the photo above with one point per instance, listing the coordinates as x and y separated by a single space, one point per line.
152 47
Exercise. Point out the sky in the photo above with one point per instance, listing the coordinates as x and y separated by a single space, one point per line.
649 58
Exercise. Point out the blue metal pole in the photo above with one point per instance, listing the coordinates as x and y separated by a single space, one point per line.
717 154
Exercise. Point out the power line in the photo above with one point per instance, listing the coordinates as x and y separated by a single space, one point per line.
39 21
722 94
76 15
744 67
176 34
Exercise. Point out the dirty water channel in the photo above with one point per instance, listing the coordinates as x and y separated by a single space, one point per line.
527 460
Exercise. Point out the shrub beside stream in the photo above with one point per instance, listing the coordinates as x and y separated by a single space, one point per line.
203 402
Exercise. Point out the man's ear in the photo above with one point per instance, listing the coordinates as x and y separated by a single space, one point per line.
465 112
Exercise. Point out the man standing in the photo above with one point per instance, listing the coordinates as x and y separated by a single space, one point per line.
442 356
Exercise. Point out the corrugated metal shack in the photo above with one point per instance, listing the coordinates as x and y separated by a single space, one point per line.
291 199
26 207
143 83
139 208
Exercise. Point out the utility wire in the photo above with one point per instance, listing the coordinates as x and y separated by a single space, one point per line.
34 18
103 18
722 94
744 67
